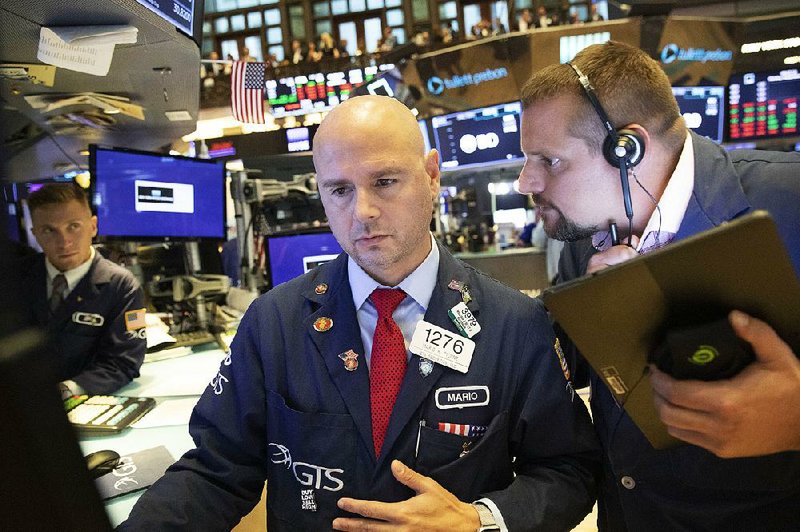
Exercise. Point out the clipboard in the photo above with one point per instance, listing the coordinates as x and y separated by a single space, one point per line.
619 317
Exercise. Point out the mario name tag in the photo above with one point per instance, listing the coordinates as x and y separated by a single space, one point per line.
442 346
86 318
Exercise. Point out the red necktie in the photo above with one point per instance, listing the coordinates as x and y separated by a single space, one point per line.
387 362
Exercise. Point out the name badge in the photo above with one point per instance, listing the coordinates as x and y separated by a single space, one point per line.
442 346
462 397
464 321
85 318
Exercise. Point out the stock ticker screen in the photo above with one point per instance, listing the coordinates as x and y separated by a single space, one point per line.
317 92
763 104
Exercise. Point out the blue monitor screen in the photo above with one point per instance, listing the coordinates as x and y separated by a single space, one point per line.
763 104
702 109
488 135
293 255
141 195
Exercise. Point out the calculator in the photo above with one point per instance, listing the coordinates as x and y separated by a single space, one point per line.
105 413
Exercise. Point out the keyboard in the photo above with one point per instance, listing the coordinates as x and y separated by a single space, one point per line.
105 413
192 338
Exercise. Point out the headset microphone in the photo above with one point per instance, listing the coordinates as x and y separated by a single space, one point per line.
622 149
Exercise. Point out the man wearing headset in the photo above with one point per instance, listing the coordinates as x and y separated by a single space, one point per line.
740 468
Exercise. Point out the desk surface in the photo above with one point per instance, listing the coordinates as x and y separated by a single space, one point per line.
176 384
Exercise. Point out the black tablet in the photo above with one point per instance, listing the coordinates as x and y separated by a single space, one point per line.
670 307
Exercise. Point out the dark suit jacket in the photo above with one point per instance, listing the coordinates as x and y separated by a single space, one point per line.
284 408
688 488
92 344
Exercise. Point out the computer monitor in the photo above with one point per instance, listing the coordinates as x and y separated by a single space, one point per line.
478 137
44 481
763 105
151 196
293 254
703 109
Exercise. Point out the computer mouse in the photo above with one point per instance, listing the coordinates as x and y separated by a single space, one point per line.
101 462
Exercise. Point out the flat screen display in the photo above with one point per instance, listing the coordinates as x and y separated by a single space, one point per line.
179 13
702 109
317 92
489 135
292 255
143 195
763 104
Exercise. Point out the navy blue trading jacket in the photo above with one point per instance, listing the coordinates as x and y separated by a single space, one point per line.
99 357
687 487
284 408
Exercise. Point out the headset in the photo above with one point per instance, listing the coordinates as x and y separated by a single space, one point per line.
622 149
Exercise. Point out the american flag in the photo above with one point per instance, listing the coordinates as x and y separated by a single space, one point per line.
470 431
247 92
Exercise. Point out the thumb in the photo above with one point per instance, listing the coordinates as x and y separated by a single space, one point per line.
408 477
767 345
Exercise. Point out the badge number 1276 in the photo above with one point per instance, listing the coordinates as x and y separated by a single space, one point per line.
442 346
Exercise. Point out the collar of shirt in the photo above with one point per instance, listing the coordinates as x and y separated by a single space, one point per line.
666 219
73 276
418 285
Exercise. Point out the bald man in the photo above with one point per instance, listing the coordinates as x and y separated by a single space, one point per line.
446 409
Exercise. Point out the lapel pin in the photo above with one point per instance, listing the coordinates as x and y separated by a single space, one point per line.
320 289
323 324
350 359
425 367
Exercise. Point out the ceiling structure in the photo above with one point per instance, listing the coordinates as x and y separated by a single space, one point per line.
159 73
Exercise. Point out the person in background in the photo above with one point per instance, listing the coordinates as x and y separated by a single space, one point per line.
541 20
313 55
327 46
296 56
389 39
739 468
525 20
245 56
594 16
325 394
93 308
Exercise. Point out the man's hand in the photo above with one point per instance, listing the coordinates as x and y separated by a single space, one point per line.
613 255
433 508
754 413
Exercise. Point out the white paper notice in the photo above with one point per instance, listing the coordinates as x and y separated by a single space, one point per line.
53 50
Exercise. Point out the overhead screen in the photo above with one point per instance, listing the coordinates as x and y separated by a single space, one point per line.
152 196
179 13
763 104
317 92
703 109
478 137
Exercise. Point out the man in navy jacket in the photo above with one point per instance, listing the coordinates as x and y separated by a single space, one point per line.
96 325
739 469
291 405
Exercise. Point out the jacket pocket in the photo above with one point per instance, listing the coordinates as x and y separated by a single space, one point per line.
467 466
312 460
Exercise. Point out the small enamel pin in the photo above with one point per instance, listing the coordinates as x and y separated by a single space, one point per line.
323 324
425 367
462 288
350 359
320 289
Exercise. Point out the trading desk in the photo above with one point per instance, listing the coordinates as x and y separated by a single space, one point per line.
176 384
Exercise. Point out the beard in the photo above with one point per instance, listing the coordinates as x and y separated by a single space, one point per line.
564 228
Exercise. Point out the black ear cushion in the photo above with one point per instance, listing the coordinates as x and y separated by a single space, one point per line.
634 148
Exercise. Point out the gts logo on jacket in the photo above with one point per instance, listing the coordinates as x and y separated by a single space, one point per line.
307 474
